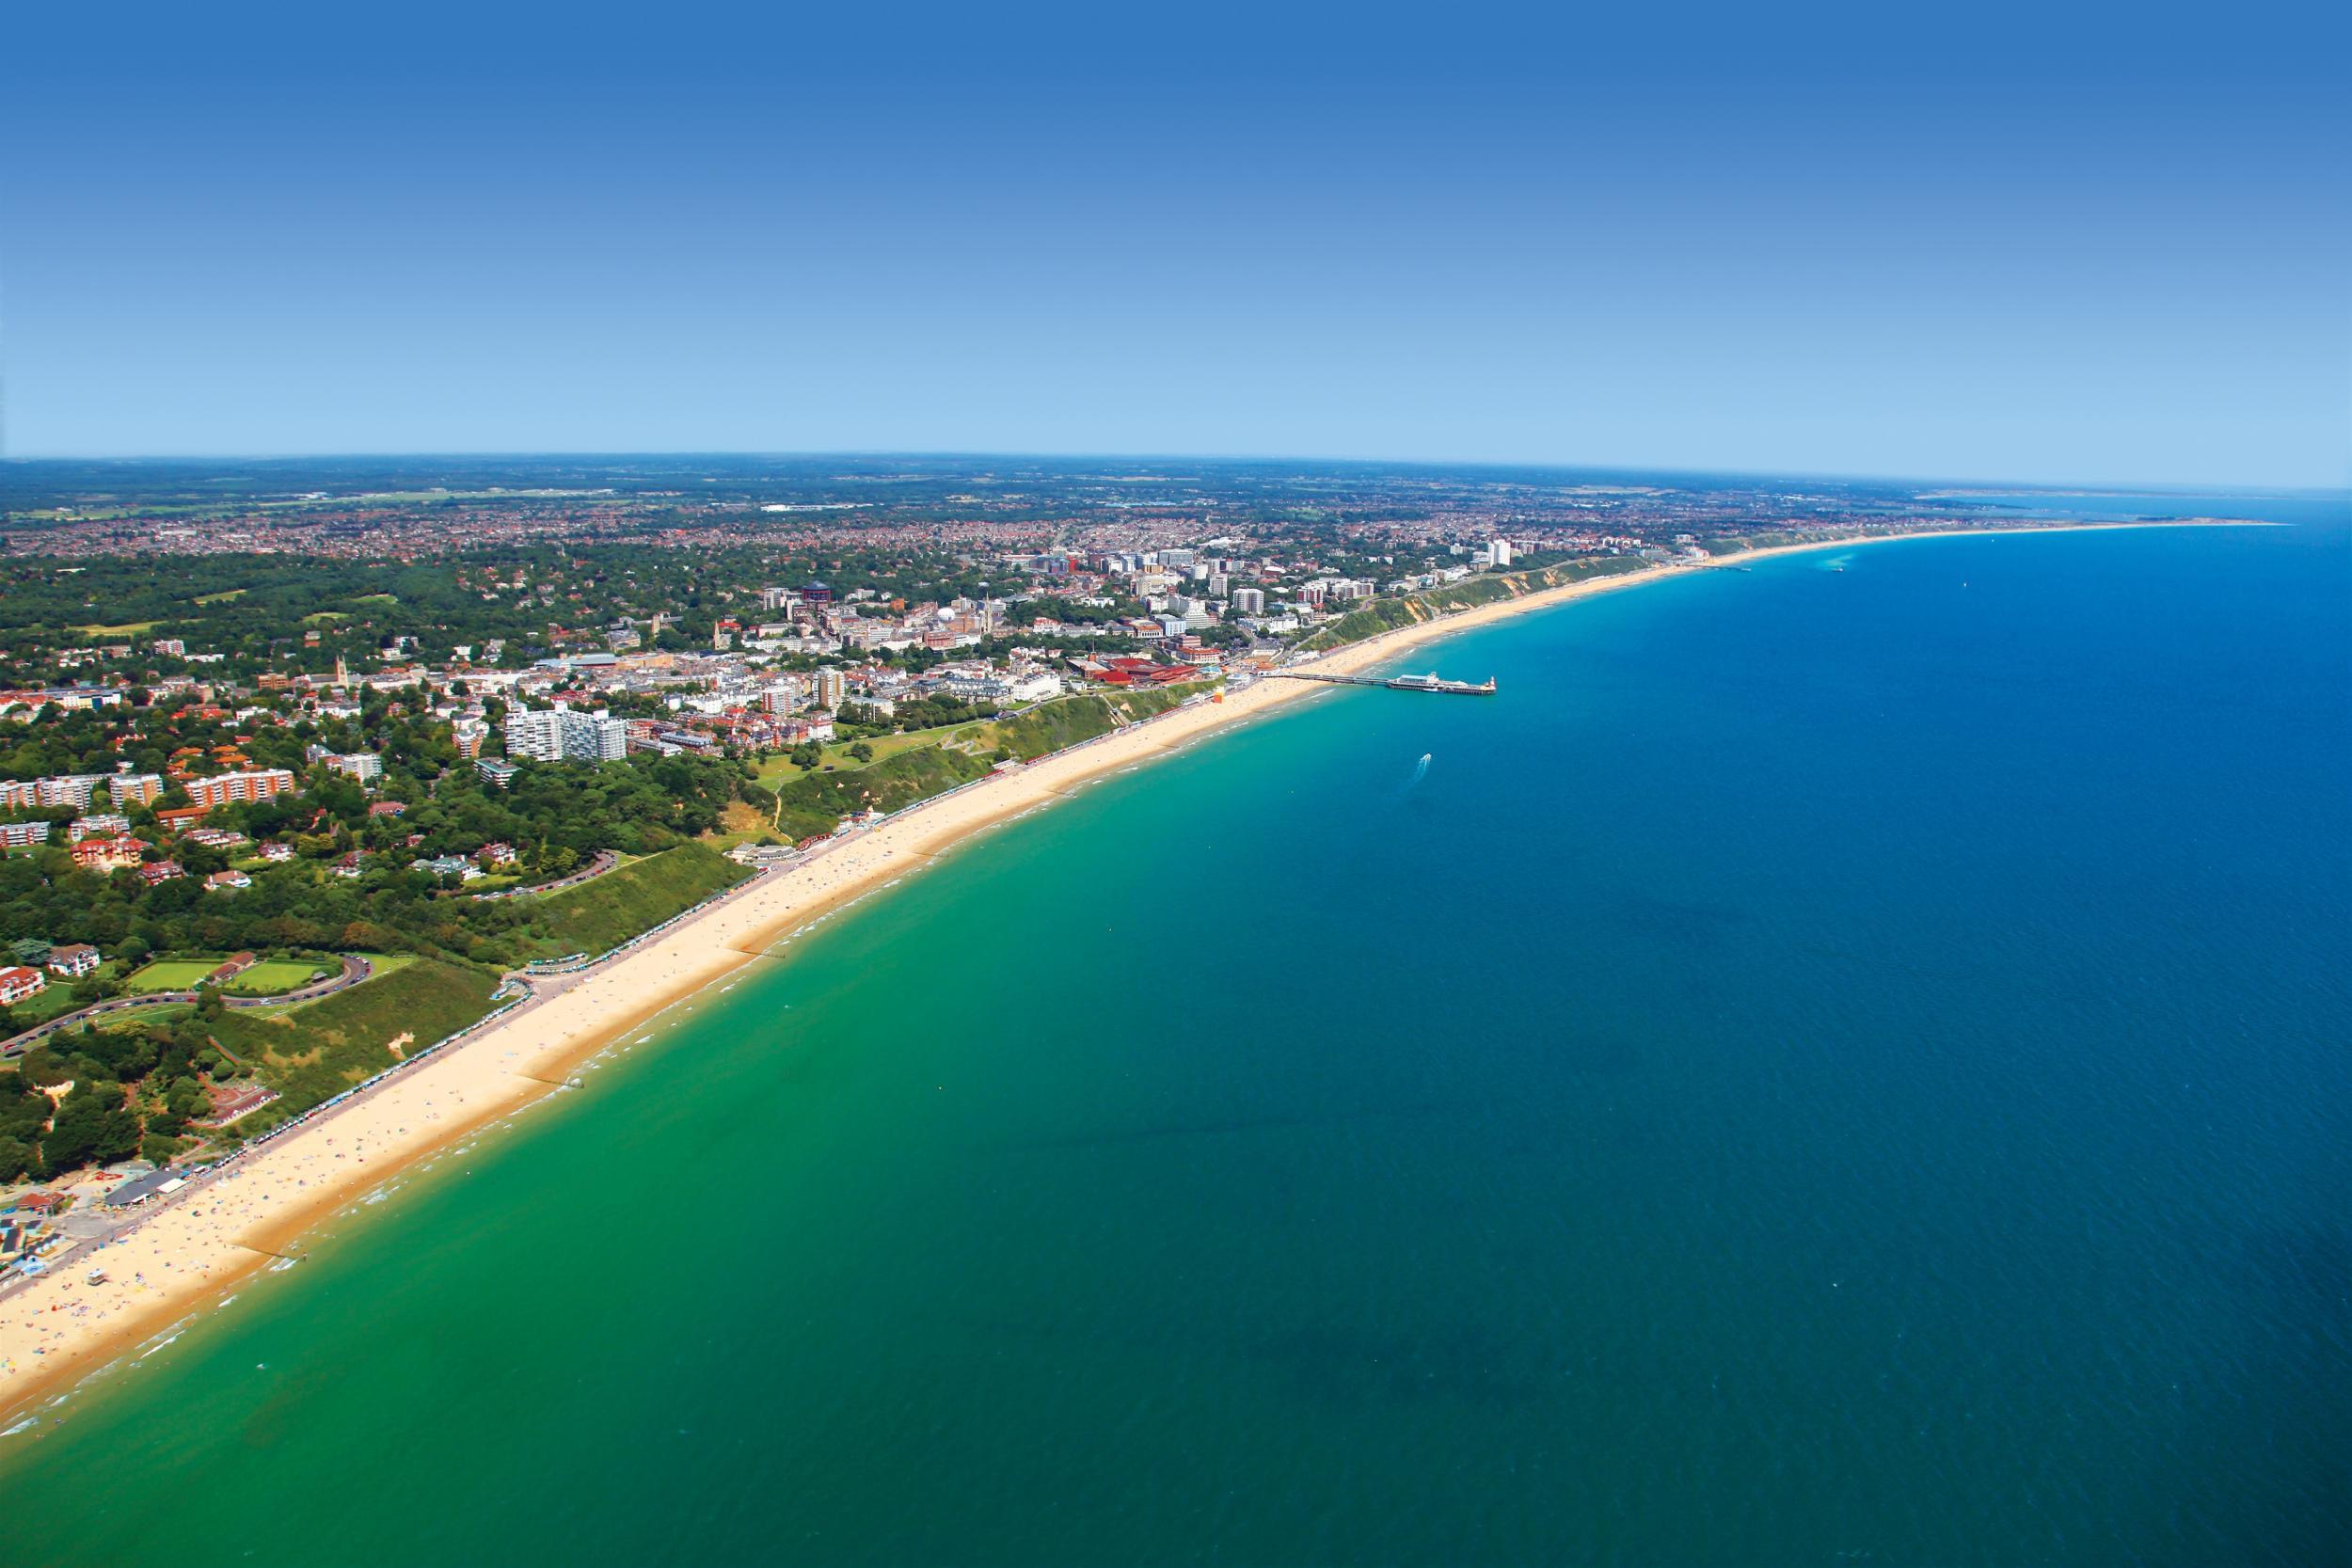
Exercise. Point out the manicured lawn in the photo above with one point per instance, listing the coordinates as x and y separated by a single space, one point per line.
128 628
379 966
273 975
172 975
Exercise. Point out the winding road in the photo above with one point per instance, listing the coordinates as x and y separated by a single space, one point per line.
354 970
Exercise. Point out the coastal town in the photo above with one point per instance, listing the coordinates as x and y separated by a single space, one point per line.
279 825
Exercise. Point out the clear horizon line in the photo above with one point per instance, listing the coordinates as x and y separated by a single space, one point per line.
1917 480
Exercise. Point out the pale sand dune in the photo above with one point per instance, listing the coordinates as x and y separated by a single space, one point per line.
60 1327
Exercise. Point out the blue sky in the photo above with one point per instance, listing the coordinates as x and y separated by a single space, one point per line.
2087 245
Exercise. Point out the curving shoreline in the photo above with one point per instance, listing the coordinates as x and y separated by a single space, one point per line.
58 1329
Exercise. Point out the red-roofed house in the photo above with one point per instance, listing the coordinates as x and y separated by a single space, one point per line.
108 854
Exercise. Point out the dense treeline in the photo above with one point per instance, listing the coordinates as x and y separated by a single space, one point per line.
287 612
133 1091
555 817
913 713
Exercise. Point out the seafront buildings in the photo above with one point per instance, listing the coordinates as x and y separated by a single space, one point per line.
490 758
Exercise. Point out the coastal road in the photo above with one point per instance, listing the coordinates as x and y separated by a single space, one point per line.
606 859
354 970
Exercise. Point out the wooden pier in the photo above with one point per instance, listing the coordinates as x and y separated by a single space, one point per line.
1394 683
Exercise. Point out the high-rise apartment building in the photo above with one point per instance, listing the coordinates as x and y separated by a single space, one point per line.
564 734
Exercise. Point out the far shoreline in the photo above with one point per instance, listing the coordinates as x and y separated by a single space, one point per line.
58 1331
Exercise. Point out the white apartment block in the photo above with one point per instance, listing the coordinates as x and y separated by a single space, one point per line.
564 734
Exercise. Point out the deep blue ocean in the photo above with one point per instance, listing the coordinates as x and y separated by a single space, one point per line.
1848 1062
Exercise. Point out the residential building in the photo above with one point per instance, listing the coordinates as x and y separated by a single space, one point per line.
24 835
495 773
72 789
258 784
143 789
73 959
17 982
108 854
564 734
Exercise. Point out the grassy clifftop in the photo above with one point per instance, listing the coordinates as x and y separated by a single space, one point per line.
814 802
602 913
315 1052
811 805
1068 722
1406 609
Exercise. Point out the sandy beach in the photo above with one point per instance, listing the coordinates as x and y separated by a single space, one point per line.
60 1328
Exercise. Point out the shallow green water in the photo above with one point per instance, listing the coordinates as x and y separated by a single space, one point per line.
1828 1066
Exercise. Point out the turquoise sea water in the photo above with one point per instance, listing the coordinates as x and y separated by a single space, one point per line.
1829 1067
